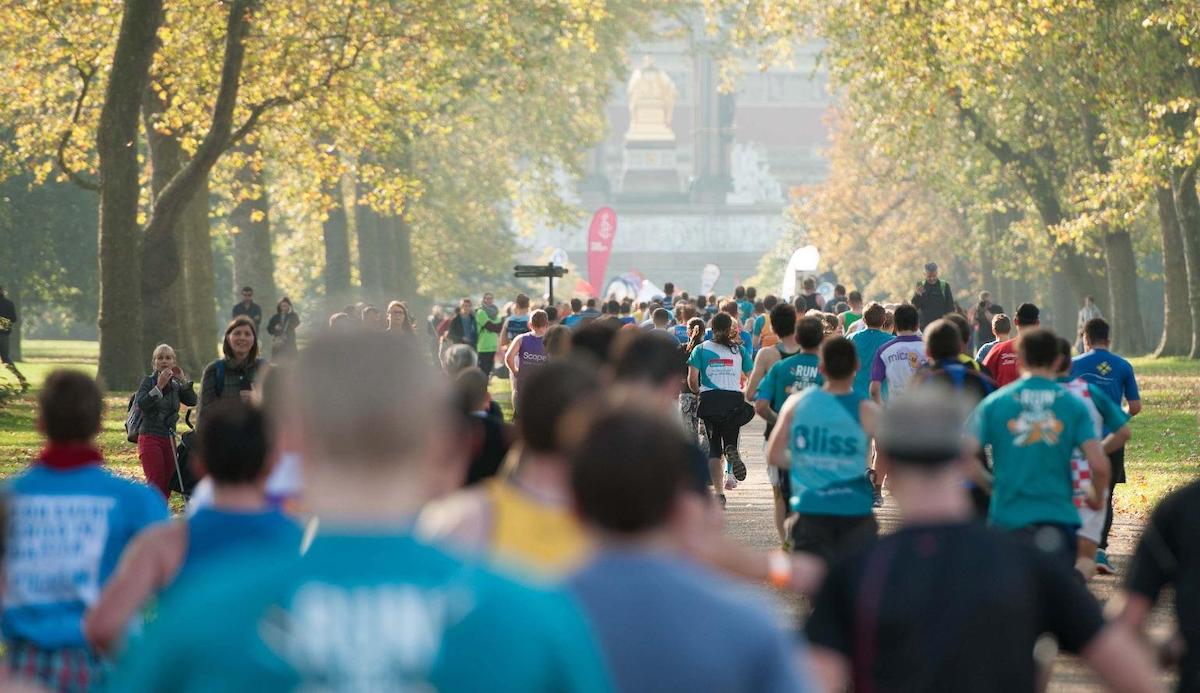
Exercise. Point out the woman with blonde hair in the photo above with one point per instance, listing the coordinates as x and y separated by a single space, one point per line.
158 399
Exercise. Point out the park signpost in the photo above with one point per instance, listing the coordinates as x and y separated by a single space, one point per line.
548 270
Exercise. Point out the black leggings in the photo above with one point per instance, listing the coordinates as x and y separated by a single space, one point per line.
720 433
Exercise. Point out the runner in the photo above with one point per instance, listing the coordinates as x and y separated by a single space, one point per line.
233 451
810 299
572 319
791 373
1114 376
516 324
715 370
744 298
70 520
1033 427
367 606
965 355
762 332
867 343
527 352
855 313
523 519
689 402
943 343
1001 361
633 488
821 441
1002 329
897 360
1106 416
1168 554
945 604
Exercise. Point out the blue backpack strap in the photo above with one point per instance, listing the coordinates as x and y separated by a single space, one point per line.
957 376
219 384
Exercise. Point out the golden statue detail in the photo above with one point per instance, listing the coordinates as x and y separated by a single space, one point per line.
652 97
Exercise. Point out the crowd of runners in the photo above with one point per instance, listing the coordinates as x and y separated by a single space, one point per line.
370 517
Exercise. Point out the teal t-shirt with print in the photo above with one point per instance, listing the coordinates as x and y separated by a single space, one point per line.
866 344
380 612
1032 426
828 456
792 374
720 367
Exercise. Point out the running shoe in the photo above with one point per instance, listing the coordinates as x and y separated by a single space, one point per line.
721 497
1102 565
878 502
735 461
730 483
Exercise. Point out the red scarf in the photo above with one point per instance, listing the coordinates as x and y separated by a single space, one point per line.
66 456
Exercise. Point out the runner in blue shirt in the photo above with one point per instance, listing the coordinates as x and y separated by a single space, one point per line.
1114 376
368 607
70 518
867 343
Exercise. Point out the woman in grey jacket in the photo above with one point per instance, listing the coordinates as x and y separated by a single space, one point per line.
158 399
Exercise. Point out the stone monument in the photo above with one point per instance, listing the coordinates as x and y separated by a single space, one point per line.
650 167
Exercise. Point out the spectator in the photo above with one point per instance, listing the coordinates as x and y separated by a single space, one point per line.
490 438
8 320
283 324
158 399
249 308
232 375
399 321
1089 311
369 316
458 358
933 297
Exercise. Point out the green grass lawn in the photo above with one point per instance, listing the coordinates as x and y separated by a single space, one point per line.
1164 452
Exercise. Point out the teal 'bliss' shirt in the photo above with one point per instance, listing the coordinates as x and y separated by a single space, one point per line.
378 612
1033 425
792 374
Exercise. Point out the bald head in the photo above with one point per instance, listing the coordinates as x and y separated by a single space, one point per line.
365 400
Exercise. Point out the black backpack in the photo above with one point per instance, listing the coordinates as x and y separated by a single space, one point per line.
133 419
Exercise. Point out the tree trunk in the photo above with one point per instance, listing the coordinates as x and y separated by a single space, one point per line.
253 261
14 341
120 321
406 277
1120 263
1062 305
337 250
163 300
370 256
199 283
1177 318
1187 210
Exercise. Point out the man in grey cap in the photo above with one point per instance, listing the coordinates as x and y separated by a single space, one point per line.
945 603
933 297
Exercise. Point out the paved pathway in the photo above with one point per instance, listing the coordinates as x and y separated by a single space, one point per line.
749 519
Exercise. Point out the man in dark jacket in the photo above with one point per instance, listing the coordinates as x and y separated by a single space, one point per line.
8 320
248 308
933 298
462 329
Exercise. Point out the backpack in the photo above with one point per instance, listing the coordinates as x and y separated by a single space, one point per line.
133 419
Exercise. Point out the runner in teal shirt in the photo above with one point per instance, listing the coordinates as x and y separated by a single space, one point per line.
866 344
1032 426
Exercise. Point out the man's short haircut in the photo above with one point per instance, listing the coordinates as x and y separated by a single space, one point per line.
366 399
613 306
943 340
810 330
731 307
1038 348
661 316
1095 331
839 358
964 327
839 289
854 297
576 305
922 428
1027 314
339 320
626 307
783 319
629 469
594 340
591 303
669 287
651 357
557 341
70 406
539 318
459 357
471 390
1001 324
906 318
751 293
245 289
233 442
810 284
1064 355
739 292
522 301
551 313
551 393
875 315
